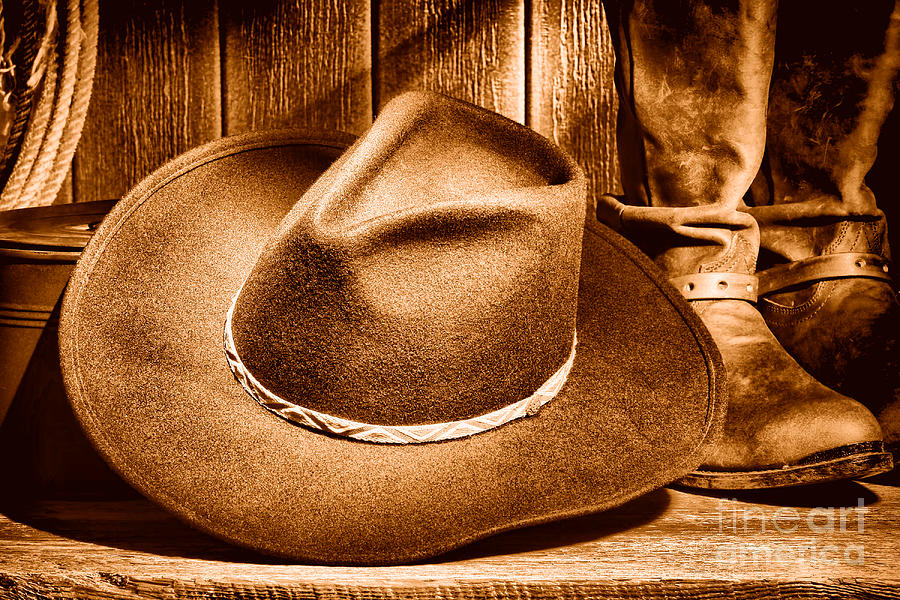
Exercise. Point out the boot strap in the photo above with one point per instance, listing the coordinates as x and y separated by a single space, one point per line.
717 286
818 268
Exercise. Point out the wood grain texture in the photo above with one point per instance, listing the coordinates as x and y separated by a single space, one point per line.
470 49
156 92
572 99
66 193
107 586
297 63
667 544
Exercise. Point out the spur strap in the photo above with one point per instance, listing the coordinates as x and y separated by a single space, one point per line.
717 286
818 268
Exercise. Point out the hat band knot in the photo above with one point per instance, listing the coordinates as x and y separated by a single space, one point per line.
392 434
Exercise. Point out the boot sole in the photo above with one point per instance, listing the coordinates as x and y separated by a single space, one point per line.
847 462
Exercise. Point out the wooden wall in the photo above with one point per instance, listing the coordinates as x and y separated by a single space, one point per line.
173 74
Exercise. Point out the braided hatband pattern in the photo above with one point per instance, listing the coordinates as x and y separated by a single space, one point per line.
391 434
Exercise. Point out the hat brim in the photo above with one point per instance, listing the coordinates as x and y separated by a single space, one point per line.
142 359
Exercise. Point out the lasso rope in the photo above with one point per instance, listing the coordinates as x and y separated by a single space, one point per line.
55 126
84 81
33 17
44 71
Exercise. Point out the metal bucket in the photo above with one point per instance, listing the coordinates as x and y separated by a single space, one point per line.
41 443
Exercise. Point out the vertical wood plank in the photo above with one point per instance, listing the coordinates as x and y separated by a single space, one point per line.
297 63
571 95
156 92
470 49
66 192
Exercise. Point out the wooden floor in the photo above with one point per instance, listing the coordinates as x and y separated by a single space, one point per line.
813 543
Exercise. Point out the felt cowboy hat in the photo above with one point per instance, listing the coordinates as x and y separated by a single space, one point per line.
376 357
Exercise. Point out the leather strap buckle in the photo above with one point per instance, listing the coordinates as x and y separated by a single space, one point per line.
818 268
717 286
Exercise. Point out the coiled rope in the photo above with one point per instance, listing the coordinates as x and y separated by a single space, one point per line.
64 68
28 42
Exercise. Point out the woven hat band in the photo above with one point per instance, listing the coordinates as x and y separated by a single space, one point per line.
392 434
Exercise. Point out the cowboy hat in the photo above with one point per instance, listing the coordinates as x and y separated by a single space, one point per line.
379 355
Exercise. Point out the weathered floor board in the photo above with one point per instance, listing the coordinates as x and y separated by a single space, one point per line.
668 544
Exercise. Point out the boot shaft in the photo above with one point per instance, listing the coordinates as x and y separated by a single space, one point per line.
694 83
693 79
832 90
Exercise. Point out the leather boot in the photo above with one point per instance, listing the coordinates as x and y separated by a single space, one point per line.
693 79
825 265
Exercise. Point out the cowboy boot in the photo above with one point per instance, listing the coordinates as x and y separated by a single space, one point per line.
693 78
825 278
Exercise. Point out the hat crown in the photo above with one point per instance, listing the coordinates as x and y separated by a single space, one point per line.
430 275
